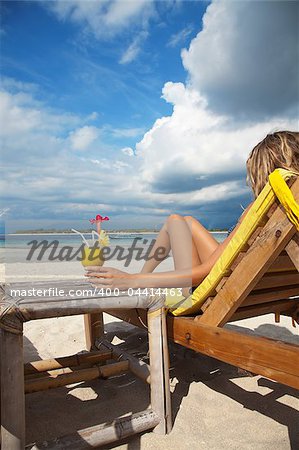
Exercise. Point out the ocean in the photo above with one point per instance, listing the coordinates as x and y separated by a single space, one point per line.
16 247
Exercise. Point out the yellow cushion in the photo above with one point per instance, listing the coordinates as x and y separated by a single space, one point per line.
180 305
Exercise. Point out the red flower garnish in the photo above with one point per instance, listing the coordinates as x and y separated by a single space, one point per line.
98 218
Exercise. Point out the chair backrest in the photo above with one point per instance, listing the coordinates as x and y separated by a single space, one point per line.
256 221
274 288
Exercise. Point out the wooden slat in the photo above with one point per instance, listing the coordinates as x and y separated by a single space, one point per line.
272 209
276 276
275 236
254 235
263 308
207 303
270 295
221 283
282 264
237 260
267 357
278 280
292 250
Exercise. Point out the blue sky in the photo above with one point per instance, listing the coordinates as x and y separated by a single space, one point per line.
139 109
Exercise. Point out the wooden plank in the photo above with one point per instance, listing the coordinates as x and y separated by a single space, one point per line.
94 329
247 352
270 295
292 250
103 434
48 306
263 308
12 392
273 359
282 264
278 280
277 233
207 303
221 284
255 234
273 277
237 261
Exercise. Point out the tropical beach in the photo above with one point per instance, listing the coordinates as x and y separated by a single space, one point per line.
149 225
207 396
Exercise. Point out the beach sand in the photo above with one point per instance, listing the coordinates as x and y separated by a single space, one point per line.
215 405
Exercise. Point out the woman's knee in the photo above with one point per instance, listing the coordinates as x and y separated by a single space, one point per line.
174 217
170 219
190 219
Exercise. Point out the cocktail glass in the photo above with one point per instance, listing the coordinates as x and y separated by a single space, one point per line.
92 256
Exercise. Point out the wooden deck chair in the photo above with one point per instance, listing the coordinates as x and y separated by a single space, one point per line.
257 274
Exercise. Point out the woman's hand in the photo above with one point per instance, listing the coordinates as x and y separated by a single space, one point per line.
109 277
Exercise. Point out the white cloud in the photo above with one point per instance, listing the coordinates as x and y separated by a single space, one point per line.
134 49
82 138
245 59
93 116
194 147
180 37
44 178
200 147
104 18
20 113
128 151
125 132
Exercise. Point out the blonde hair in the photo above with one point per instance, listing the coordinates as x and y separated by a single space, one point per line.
280 149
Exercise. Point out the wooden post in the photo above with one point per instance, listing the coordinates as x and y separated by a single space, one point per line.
159 367
12 391
94 329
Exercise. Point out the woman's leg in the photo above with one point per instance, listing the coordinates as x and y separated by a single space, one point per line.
184 252
203 243
175 235
203 240
162 242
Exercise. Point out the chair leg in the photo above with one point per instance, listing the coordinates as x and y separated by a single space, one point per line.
159 369
12 392
94 329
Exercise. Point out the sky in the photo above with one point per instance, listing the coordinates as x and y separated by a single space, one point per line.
139 109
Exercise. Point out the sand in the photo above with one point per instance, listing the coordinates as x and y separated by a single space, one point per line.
215 405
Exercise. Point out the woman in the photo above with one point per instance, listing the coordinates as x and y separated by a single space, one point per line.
194 249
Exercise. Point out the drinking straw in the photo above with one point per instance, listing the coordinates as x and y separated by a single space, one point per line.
94 233
78 232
